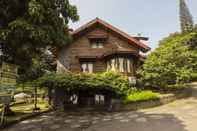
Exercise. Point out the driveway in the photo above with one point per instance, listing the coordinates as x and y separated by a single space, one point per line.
180 115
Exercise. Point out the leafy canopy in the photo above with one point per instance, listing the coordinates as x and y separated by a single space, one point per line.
173 62
117 84
27 27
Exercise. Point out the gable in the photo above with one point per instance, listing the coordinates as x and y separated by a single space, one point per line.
97 23
112 40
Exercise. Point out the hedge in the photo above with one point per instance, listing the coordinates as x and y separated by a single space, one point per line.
115 83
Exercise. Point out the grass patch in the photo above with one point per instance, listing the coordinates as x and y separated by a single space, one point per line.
25 110
141 96
28 108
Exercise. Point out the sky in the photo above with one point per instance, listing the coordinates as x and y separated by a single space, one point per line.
155 19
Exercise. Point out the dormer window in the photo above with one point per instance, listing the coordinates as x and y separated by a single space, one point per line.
97 43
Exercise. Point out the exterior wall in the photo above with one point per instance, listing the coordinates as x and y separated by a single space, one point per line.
68 56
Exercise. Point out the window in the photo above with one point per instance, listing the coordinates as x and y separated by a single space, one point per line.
87 67
120 64
98 43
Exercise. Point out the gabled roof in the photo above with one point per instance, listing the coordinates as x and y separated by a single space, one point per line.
132 40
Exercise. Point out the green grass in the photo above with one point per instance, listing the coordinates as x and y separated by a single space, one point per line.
25 110
141 96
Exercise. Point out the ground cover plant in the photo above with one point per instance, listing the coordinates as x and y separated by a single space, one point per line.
138 96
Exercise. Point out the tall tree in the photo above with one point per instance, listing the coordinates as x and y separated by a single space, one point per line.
173 62
186 20
28 27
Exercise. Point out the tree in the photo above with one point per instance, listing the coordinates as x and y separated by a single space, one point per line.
173 62
44 64
28 27
186 20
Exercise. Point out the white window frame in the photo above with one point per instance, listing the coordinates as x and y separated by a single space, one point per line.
87 67
119 65
97 44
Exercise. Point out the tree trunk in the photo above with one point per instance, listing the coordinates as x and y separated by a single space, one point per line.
50 96
8 111
59 98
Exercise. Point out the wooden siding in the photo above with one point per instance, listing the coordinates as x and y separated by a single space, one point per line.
68 57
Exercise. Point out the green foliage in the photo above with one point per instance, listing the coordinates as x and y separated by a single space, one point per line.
173 62
141 96
39 67
117 84
28 27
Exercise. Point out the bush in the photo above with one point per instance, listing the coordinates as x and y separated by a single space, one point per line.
114 83
141 96
173 62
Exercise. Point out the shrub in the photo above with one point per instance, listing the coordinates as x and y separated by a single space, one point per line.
141 96
173 62
115 83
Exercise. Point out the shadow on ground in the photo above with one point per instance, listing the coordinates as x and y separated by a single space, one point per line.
178 116
138 121
95 121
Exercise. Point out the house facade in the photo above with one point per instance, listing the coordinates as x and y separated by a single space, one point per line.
98 46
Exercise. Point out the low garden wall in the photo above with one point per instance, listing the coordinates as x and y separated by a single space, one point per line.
164 99
119 105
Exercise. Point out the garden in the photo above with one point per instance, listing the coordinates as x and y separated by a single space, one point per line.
30 33
166 70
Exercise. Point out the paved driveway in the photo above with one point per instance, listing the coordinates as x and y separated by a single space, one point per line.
180 115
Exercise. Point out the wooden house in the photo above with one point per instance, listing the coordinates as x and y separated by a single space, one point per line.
98 46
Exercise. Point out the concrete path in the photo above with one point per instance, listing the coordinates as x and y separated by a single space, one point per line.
180 115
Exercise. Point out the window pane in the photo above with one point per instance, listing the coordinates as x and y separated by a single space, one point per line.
120 64
90 67
100 45
128 65
121 68
97 44
94 45
87 67
125 65
113 65
108 66
83 66
132 71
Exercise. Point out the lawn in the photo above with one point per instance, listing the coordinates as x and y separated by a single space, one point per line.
25 110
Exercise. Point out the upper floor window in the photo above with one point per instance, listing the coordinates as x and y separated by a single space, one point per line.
97 43
87 67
